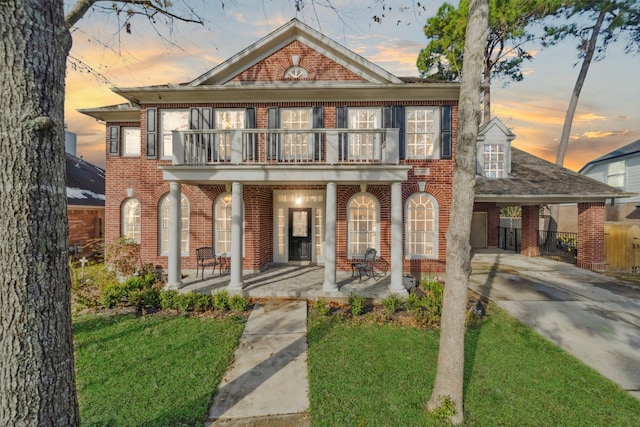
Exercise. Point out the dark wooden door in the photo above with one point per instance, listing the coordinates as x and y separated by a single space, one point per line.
300 234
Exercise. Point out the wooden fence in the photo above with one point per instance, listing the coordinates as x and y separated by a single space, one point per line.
622 247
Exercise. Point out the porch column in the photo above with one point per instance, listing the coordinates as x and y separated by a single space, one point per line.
236 283
330 239
396 284
174 278
591 218
530 226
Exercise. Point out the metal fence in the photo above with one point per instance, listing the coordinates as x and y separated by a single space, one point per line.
509 239
558 245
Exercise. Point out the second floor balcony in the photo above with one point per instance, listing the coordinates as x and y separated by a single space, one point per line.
219 147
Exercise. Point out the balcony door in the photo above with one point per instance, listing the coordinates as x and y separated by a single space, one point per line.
300 234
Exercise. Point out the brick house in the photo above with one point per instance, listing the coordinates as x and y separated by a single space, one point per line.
295 150
85 187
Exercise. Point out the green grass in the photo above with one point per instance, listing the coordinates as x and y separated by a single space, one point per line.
151 370
369 375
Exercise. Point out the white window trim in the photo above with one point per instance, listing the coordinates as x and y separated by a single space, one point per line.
165 251
436 131
214 231
125 143
436 227
164 132
377 223
617 174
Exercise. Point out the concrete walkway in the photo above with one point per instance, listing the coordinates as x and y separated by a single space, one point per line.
591 316
267 384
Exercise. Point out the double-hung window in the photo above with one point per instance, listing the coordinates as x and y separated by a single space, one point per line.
296 146
227 120
615 174
363 224
422 132
421 232
364 146
130 141
171 120
494 160
131 219
222 224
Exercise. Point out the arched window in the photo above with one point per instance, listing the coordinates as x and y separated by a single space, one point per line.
222 224
164 225
363 224
422 227
131 219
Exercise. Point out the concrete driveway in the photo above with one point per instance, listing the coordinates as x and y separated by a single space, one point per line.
591 316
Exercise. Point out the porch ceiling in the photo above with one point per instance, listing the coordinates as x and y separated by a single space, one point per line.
286 174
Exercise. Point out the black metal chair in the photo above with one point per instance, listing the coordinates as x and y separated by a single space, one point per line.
206 257
366 265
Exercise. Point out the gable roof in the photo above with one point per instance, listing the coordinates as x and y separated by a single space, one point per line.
536 181
627 150
495 122
85 182
294 30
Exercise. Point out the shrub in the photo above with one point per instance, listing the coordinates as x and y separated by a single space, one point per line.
221 300
111 295
427 309
168 299
392 303
356 302
186 302
202 302
145 298
87 283
124 255
322 307
238 303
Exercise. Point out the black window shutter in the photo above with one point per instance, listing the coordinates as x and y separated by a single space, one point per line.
342 122
398 122
318 123
446 150
114 140
152 132
273 122
251 149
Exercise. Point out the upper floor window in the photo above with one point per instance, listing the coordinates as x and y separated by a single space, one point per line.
363 224
227 119
130 219
171 120
615 174
164 225
364 146
130 141
422 130
296 146
421 232
494 160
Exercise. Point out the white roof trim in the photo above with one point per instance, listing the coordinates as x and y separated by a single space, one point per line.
495 122
291 31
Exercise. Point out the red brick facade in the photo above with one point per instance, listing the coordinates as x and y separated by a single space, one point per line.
591 218
530 225
86 224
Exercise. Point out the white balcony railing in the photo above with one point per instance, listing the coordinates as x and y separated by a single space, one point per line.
284 146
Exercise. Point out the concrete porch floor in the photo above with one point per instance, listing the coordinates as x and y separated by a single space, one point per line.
290 281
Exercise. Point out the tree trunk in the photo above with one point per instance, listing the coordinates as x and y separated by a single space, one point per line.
37 379
573 103
450 371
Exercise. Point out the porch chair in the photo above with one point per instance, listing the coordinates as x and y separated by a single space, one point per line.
206 257
366 264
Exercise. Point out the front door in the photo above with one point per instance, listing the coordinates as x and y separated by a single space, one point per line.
300 234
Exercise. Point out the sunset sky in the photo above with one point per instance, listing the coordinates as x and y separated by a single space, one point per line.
608 114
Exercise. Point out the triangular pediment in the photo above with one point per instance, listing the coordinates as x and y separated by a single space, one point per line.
294 53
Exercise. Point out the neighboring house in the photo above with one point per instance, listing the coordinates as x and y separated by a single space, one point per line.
298 150
620 168
85 205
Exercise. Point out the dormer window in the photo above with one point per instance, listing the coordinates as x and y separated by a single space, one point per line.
494 150
296 73
494 161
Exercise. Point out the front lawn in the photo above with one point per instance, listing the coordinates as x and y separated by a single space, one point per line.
371 375
159 370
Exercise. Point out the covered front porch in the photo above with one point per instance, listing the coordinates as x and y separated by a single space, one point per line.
291 281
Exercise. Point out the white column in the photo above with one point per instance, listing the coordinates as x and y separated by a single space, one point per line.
236 283
330 239
396 284
174 279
